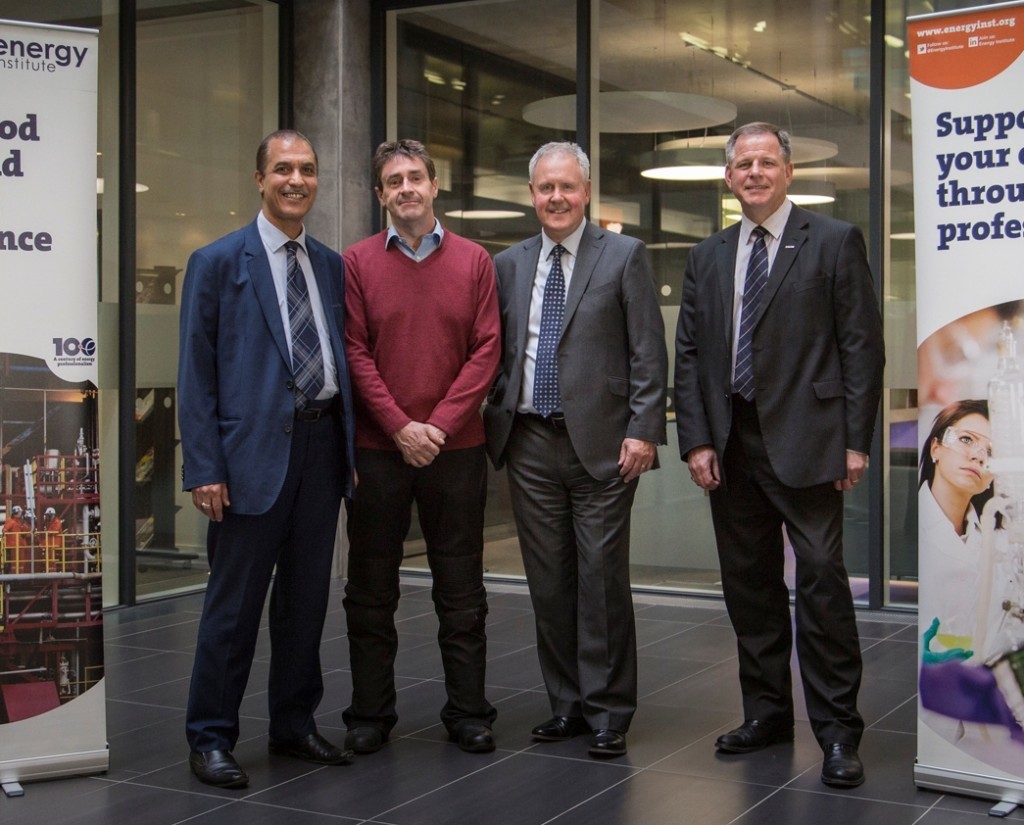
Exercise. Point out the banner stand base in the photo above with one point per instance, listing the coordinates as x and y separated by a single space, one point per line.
12 789
1008 793
1003 809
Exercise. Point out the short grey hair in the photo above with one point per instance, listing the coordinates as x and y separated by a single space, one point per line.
759 128
563 147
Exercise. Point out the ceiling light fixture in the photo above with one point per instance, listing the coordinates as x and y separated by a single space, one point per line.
483 214
703 158
637 112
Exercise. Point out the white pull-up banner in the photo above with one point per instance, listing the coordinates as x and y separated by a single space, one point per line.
52 708
967 102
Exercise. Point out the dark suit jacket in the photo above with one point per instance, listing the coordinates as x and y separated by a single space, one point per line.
818 351
236 398
612 363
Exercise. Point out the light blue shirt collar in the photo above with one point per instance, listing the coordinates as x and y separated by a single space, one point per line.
429 244
273 238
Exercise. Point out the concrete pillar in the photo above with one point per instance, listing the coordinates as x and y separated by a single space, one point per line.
332 106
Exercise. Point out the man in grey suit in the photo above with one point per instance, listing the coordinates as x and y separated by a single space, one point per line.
779 360
576 413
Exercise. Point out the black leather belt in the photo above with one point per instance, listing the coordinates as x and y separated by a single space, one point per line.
315 410
555 421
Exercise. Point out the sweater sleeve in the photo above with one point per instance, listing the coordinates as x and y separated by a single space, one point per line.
470 387
367 382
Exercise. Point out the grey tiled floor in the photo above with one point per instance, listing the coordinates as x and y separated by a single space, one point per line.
671 775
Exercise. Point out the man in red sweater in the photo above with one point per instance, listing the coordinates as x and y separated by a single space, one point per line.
423 339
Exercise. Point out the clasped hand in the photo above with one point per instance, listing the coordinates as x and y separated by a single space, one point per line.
420 443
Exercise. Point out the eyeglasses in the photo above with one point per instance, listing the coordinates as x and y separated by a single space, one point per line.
967 442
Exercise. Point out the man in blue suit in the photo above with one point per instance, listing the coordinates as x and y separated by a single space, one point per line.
265 413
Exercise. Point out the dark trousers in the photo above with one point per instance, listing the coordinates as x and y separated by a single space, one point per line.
449 494
749 512
297 535
574 535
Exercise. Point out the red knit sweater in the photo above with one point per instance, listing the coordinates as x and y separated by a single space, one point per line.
423 339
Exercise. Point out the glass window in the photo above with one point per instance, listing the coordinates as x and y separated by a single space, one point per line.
484 86
674 83
467 77
206 94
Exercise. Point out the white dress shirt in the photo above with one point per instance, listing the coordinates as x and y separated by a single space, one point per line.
775 225
571 245
273 241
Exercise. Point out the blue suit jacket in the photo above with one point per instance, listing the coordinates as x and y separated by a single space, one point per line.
236 397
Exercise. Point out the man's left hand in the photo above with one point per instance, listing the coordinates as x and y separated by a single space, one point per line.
856 467
635 457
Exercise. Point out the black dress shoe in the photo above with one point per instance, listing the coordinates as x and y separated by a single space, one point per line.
607 744
365 739
842 767
311 748
753 735
560 728
217 768
473 737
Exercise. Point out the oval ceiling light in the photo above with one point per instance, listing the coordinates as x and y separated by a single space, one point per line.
804 149
635 112
703 158
811 192
684 164
483 214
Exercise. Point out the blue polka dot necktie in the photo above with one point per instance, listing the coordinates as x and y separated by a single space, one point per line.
546 397
753 289
307 356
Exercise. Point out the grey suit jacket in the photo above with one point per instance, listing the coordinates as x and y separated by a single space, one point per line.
612 363
818 350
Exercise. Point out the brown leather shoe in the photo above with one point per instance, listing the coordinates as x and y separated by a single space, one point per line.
753 735
217 768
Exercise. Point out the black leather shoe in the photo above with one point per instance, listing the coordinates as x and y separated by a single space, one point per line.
312 748
217 768
366 739
473 737
560 728
753 735
842 767
607 744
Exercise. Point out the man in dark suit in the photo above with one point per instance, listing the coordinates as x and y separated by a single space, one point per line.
779 361
265 413
576 413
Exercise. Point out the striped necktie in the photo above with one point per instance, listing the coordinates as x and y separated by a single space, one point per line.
753 289
307 356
